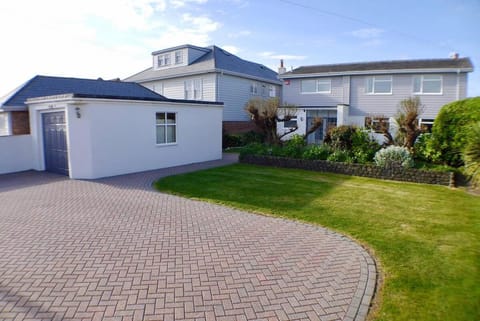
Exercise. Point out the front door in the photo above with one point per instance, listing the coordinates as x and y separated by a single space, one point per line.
55 142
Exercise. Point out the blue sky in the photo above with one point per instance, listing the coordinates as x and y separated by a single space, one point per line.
114 38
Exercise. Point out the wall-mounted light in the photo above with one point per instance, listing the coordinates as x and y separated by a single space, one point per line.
77 110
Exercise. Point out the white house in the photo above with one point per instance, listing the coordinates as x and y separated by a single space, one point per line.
212 74
89 129
362 93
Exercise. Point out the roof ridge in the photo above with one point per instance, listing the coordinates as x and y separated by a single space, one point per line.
385 61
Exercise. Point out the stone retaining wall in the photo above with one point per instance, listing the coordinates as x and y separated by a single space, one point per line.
393 173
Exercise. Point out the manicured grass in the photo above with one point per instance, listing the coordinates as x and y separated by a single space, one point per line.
426 238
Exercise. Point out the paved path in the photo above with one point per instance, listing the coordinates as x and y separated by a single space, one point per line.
114 249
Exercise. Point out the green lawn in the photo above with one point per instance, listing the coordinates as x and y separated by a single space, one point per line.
425 238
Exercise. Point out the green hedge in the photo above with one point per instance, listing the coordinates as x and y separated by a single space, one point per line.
451 129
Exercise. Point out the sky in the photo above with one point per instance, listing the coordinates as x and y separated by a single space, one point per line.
115 38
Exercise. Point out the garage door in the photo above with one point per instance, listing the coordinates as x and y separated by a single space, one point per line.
55 142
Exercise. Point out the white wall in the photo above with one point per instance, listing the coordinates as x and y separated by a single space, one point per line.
174 88
118 137
15 153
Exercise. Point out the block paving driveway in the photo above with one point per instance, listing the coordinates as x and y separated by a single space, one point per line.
114 249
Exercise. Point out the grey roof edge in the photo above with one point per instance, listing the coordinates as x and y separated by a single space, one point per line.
136 74
112 97
297 72
180 47
9 96
216 70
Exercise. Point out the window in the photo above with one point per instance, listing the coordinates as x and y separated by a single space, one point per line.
377 124
426 124
379 85
166 128
178 57
309 86
271 91
264 90
163 60
427 84
292 123
193 89
254 88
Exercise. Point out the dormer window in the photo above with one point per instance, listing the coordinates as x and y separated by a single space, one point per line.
163 60
178 57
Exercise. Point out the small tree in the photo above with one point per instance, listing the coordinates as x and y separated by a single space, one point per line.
265 113
407 120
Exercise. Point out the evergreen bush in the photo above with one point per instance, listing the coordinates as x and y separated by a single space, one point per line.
394 156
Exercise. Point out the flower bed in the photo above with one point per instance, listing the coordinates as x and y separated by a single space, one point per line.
397 173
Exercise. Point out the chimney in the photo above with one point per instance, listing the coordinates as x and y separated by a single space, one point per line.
282 68
454 55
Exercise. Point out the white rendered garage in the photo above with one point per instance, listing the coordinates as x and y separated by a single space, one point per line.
106 137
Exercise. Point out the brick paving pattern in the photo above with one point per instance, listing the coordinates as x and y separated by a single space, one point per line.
114 249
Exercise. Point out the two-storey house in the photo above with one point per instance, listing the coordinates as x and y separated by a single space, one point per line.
212 74
361 93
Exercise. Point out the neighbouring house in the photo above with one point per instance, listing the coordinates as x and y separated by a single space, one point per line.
212 74
363 93
96 128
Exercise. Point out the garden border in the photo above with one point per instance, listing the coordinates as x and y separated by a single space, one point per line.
396 173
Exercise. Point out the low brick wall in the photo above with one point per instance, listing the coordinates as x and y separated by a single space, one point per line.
393 173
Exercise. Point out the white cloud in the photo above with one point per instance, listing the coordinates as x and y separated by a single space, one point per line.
201 24
273 55
90 38
182 3
242 33
231 49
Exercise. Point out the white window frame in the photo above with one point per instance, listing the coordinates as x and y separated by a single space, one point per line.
318 82
254 88
376 79
178 57
165 126
272 91
163 60
422 80
193 89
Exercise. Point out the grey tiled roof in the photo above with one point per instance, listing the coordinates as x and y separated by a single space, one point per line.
215 58
460 63
40 86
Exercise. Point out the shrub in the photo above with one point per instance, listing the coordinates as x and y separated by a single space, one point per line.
472 155
230 140
451 128
394 155
293 147
425 150
252 137
341 137
340 155
238 140
316 152
364 146
254 149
